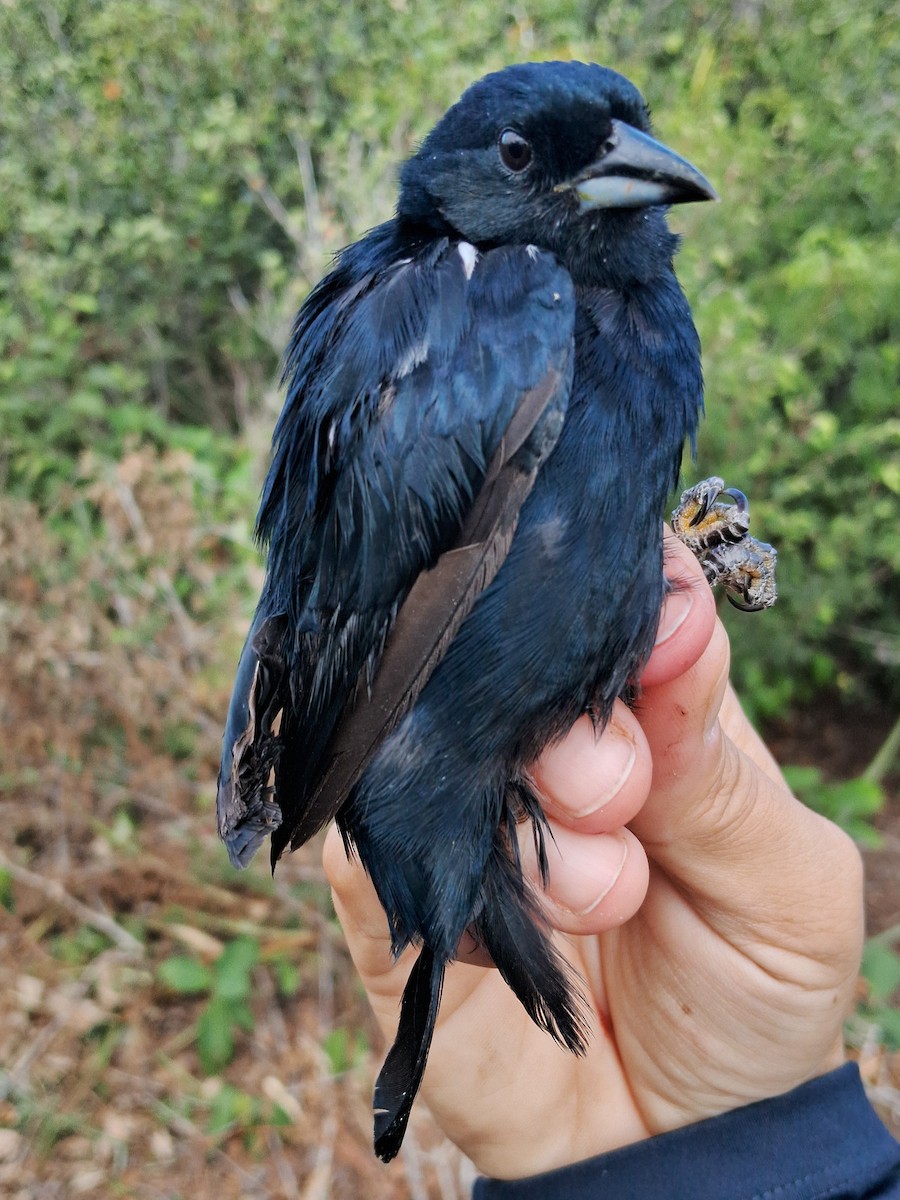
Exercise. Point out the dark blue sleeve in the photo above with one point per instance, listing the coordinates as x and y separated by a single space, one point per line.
822 1140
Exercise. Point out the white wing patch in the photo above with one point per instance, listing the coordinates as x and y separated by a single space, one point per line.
532 252
414 357
469 256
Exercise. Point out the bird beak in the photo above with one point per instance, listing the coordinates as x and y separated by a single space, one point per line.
636 171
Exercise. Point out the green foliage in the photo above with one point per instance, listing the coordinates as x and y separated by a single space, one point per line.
121 832
40 1118
7 895
79 947
174 177
850 803
231 1107
228 984
287 975
794 284
182 973
881 971
344 1049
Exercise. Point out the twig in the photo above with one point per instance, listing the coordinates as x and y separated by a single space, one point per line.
885 1095
279 1034
17 1075
290 1185
317 1185
158 805
187 1128
179 613
449 1166
151 863
286 938
884 759
310 196
274 336
260 187
54 890
326 983
412 1164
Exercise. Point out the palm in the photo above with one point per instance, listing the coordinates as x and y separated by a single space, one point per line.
716 970
686 1022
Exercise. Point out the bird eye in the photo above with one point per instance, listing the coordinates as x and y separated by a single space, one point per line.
515 152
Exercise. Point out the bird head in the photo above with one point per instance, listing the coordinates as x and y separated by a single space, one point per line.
558 155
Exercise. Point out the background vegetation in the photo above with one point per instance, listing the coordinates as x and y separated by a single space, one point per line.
173 178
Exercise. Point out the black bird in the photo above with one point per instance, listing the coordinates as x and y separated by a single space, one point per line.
487 402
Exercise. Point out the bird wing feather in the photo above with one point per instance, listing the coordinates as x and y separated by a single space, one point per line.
422 399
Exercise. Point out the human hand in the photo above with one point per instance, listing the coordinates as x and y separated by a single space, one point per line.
717 936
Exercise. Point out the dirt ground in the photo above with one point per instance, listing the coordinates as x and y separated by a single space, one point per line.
118 906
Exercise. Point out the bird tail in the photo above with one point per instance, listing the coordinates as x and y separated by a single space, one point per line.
509 923
515 934
401 1075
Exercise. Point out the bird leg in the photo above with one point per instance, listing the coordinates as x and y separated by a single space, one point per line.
719 536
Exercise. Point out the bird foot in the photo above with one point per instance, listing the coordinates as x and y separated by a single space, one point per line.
718 535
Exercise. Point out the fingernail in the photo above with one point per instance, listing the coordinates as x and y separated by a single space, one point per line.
579 771
619 754
675 609
586 868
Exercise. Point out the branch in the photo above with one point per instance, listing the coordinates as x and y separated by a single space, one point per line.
54 890
884 760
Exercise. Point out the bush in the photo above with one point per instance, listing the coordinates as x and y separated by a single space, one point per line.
174 177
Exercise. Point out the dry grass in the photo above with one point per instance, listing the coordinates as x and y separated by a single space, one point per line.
114 676
113 684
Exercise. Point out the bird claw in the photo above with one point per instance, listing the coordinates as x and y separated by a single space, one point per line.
718 535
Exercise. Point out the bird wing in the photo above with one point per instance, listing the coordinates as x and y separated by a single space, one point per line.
422 399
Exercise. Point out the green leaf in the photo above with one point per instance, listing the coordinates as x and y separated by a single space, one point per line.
344 1049
7 896
242 1016
215 1036
229 1107
234 967
336 1046
888 1021
851 803
802 779
287 976
184 974
881 969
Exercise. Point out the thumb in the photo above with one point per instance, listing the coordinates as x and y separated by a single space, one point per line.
721 822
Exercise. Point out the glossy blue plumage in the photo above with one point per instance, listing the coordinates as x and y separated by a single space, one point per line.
406 365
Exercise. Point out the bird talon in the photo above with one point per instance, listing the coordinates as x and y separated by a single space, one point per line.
740 500
718 535
702 495
702 523
745 606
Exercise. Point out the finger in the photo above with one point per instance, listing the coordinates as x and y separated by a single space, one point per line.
730 833
595 881
594 782
686 624
687 617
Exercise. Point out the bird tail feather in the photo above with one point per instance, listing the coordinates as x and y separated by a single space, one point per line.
514 931
401 1075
